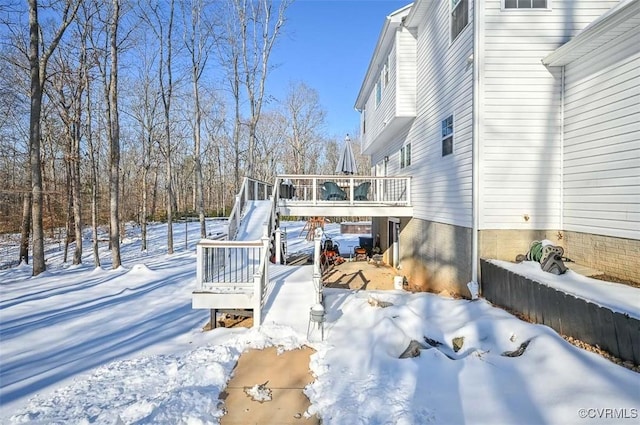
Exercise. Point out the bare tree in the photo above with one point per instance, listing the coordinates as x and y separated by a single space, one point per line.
69 84
198 37
306 119
163 30
250 33
145 111
38 72
259 30
106 59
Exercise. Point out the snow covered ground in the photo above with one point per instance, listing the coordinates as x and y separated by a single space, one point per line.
81 345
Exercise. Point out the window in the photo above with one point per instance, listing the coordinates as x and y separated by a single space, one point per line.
386 72
526 4
447 136
378 92
364 121
459 17
405 155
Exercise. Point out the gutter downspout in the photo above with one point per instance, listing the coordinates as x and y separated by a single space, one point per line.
475 142
562 101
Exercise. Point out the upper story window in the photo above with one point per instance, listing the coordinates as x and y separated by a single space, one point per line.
405 155
378 92
526 4
459 17
364 121
447 136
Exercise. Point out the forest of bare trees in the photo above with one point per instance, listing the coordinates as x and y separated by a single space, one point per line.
116 110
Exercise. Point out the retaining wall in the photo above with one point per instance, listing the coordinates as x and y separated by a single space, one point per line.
617 333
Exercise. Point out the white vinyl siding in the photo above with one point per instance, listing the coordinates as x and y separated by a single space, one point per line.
406 74
520 155
397 104
442 186
378 115
602 140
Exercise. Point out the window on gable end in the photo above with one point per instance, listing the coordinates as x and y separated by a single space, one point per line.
447 136
459 17
378 93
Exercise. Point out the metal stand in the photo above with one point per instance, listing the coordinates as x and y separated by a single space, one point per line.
316 315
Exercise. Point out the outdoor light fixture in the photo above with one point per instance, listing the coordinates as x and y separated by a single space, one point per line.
386 159
347 138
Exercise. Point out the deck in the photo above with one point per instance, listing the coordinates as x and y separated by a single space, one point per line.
347 196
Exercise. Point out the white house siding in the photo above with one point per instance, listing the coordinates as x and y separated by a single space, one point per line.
405 77
602 140
377 116
441 186
520 152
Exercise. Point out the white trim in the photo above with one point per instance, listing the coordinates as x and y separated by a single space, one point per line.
562 102
476 135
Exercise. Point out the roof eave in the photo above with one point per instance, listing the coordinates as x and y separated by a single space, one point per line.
391 23
562 55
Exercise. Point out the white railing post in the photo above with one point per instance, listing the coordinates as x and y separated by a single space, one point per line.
257 301
278 259
238 213
199 265
351 190
317 270
314 190
408 191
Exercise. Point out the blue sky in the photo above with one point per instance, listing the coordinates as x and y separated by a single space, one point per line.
327 44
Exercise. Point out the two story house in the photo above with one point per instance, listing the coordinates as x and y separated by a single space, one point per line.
518 120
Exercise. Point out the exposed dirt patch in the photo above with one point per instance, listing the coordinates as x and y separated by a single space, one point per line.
360 275
609 278
230 321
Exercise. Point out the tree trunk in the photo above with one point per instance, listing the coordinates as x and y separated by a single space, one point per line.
94 177
25 226
76 194
114 143
34 139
